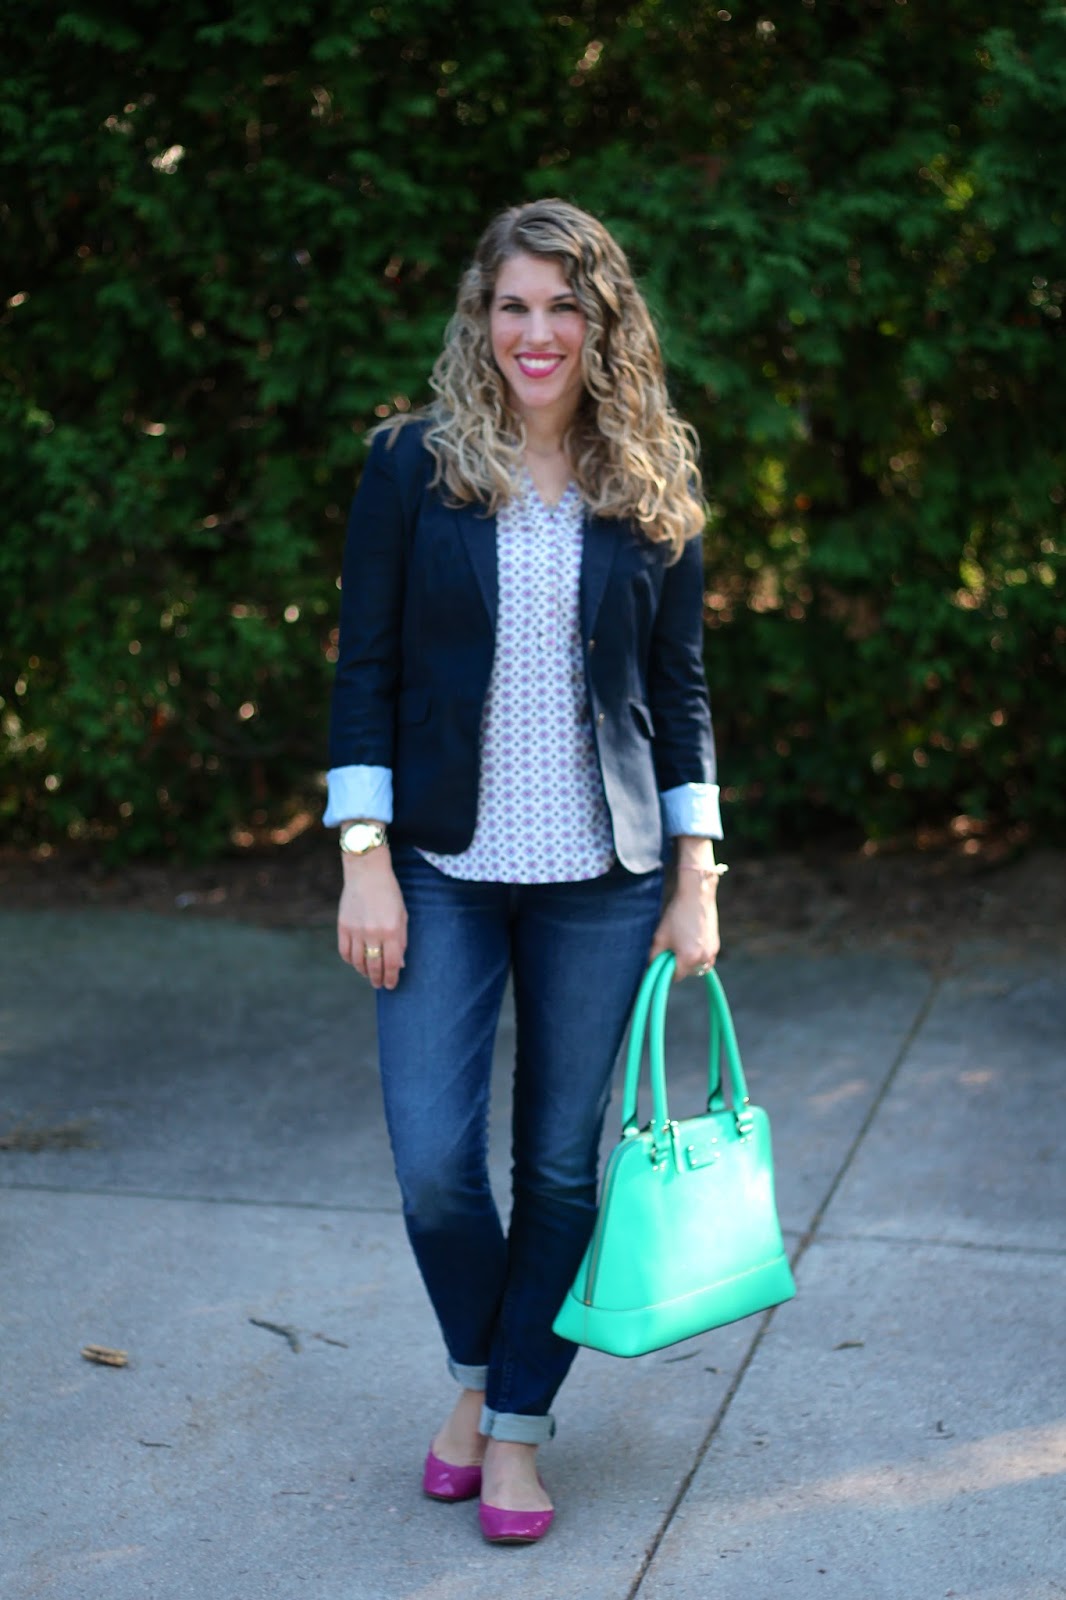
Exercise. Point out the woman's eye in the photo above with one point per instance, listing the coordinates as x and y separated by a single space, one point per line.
516 307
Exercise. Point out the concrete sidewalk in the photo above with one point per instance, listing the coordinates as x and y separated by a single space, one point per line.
898 1432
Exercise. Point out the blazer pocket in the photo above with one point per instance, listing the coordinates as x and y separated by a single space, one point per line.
413 705
642 718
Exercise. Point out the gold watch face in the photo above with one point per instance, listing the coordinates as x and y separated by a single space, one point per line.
360 837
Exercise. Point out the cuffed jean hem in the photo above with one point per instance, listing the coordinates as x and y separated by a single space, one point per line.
469 1377
516 1429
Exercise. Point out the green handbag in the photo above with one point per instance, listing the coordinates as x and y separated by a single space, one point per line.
687 1236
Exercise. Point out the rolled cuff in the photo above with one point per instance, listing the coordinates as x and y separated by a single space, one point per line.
358 792
469 1377
692 808
516 1427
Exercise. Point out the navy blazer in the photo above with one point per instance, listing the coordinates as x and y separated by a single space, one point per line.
417 637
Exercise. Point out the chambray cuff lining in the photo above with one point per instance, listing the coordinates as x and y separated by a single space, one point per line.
358 792
692 808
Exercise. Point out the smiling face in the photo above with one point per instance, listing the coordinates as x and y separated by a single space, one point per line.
537 330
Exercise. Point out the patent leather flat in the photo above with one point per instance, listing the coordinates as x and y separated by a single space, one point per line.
513 1527
443 1481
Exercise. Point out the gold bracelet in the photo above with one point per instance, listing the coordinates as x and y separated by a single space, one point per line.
714 872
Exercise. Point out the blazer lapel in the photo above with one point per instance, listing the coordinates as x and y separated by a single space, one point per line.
598 552
599 549
479 537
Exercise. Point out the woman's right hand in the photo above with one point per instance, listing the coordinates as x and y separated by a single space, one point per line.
372 915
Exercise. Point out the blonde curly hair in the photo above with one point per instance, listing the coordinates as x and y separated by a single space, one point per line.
631 455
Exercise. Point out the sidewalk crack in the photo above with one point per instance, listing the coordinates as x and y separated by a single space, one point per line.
909 1241
249 1202
806 1239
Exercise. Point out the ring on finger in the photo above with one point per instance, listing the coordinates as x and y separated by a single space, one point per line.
372 951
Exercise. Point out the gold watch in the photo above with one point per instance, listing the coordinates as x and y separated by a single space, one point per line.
359 838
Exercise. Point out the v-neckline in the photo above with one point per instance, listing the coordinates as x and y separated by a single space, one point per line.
551 507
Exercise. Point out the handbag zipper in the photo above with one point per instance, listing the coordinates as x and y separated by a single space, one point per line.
597 1237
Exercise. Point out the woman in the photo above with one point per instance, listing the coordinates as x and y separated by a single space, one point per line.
519 709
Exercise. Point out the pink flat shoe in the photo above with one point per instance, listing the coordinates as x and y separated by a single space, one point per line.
443 1481
513 1527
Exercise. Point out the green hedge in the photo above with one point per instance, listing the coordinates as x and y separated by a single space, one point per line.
233 244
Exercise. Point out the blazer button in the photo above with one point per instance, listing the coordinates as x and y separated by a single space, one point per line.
592 644
599 719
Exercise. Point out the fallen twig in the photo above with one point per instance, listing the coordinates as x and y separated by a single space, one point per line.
288 1334
103 1356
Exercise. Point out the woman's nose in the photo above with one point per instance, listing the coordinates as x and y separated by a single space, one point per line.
539 327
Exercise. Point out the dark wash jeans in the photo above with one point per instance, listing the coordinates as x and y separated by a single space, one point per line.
577 952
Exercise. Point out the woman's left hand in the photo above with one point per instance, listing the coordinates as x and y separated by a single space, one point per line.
689 924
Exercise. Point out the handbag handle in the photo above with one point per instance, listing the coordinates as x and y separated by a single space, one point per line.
652 996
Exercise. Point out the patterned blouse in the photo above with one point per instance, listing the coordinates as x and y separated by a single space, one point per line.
542 814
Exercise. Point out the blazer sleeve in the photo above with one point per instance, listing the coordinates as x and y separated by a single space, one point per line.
683 745
362 714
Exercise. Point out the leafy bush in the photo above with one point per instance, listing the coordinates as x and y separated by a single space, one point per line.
233 245
859 265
